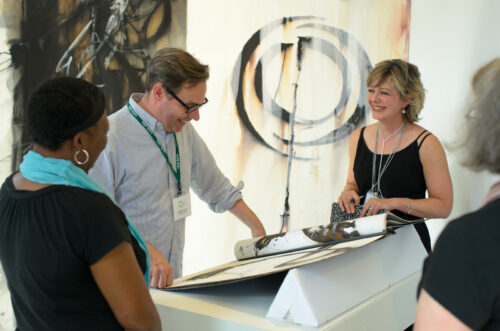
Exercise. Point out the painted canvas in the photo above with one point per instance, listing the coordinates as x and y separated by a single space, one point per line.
107 42
287 88
322 235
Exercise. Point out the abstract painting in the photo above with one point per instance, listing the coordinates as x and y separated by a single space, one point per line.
287 88
107 42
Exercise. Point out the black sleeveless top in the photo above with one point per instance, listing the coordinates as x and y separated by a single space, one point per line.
404 177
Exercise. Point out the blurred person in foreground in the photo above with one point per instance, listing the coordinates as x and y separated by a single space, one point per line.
394 162
72 259
155 156
460 285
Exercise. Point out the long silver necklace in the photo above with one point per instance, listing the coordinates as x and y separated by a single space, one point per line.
382 169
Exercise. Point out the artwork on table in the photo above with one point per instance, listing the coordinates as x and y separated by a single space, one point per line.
251 268
336 232
274 253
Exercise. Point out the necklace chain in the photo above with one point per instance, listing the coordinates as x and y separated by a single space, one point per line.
392 134
382 169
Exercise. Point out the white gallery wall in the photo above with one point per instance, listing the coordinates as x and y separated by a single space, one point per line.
449 40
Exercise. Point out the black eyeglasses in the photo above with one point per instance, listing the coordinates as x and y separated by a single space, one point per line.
189 109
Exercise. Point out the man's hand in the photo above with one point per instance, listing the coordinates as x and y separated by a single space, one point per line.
258 230
161 273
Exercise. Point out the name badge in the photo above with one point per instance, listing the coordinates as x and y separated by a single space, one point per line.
182 206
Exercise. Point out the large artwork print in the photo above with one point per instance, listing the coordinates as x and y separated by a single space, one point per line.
286 90
107 42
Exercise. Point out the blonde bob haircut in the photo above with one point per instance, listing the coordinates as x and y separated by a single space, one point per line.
406 79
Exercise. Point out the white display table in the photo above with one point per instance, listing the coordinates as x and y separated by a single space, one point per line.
370 288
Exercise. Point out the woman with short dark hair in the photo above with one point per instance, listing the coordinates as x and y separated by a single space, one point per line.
71 258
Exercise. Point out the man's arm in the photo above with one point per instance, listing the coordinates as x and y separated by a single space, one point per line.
248 217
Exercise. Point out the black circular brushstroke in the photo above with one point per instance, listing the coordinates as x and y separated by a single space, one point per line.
276 110
279 112
239 71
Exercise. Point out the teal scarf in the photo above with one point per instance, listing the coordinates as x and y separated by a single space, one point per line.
46 170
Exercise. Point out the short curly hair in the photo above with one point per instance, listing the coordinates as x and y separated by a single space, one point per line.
481 140
61 107
406 79
173 67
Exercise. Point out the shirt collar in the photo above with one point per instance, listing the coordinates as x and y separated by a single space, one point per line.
150 121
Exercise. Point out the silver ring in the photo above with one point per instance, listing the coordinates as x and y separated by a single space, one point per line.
371 208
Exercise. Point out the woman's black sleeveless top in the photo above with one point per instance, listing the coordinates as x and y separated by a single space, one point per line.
404 177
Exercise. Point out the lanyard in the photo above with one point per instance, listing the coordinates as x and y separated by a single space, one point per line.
381 170
177 173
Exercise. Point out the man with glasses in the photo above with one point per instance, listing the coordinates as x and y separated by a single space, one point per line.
154 156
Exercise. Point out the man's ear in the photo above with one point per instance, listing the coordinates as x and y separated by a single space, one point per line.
158 91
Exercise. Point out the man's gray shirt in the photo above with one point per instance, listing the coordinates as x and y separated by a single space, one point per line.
134 171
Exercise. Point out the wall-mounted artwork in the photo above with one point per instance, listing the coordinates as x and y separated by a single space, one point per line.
107 42
287 88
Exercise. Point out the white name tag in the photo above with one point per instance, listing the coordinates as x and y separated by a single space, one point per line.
182 206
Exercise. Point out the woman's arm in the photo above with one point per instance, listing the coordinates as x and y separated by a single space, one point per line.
431 315
439 202
350 195
119 279
438 181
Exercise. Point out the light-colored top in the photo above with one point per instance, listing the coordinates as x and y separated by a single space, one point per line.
134 171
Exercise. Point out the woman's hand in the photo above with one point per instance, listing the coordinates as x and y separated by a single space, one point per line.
373 206
347 200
